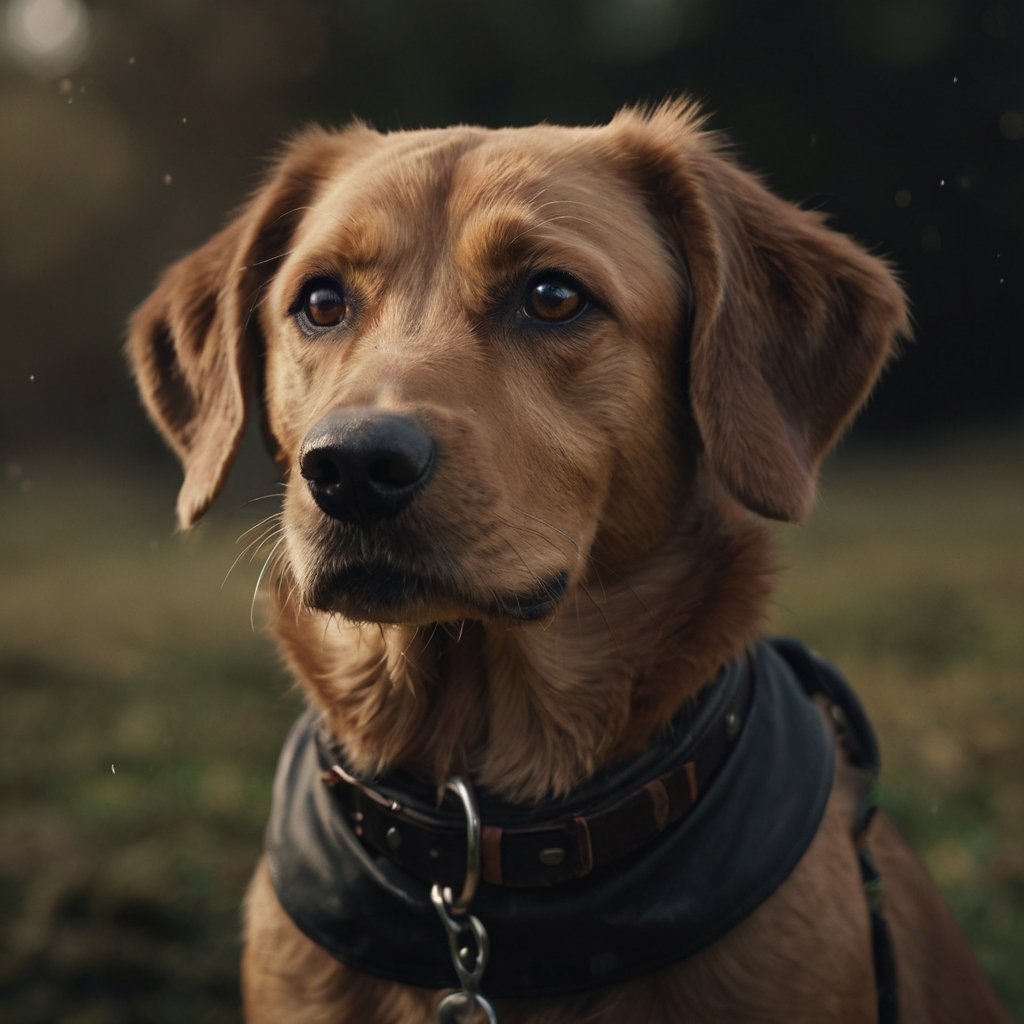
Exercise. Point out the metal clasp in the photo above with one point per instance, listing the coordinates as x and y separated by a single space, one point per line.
467 938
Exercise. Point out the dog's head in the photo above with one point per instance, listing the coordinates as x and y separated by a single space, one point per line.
487 360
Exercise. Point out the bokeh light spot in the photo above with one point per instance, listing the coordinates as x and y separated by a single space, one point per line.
1011 125
50 37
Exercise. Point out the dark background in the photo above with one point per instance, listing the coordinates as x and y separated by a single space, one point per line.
903 119
140 718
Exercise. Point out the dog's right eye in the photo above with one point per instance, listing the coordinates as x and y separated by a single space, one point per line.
322 303
554 298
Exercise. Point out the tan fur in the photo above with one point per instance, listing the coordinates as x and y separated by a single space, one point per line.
638 451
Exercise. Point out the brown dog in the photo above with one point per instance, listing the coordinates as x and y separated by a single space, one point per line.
535 394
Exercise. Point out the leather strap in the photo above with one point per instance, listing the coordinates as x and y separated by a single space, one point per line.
857 738
564 839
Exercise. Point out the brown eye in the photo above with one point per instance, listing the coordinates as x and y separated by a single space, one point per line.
553 300
323 303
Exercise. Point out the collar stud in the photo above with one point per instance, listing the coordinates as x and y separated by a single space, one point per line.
551 855
732 725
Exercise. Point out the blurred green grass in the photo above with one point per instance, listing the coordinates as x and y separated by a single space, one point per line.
142 716
911 577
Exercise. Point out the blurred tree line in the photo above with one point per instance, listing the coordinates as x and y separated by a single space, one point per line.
128 130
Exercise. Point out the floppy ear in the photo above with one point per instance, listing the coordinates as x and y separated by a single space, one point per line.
192 365
195 342
791 323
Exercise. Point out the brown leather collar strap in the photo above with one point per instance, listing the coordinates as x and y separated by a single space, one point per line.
430 844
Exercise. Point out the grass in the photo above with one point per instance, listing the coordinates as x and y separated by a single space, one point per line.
142 716
910 578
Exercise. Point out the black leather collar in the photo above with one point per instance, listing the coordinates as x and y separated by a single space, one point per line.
655 906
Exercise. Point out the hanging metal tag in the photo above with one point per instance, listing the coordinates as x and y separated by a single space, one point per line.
461 1008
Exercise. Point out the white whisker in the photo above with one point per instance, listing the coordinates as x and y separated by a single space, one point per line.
277 495
270 518
264 540
257 544
259 580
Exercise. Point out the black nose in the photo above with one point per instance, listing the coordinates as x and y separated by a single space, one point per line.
363 465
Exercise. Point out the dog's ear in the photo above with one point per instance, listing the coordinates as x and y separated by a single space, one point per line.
791 322
193 344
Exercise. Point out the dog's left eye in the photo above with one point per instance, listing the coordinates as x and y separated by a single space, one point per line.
322 303
553 299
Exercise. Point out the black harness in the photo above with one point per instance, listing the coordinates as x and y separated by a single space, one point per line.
648 906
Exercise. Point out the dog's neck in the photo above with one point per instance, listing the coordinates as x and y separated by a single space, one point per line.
533 709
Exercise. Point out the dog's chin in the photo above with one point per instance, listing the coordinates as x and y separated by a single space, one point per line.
386 594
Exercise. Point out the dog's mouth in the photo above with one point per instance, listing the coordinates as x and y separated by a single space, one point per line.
382 592
535 605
